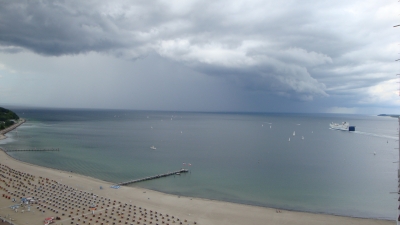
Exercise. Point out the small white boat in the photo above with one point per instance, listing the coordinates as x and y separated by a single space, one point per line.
152 147
302 137
270 127
294 133
289 139
178 173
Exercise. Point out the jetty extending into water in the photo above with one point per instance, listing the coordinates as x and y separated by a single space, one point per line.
32 150
154 177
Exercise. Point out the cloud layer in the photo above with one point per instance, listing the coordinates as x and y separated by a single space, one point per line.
300 50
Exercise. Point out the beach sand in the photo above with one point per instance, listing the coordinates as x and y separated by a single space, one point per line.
193 210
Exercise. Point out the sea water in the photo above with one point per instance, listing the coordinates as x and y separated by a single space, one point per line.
237 157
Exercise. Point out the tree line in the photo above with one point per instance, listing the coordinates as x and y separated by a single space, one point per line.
7 118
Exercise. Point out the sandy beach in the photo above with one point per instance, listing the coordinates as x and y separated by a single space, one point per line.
136 202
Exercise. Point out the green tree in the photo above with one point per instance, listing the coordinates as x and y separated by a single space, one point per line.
7 118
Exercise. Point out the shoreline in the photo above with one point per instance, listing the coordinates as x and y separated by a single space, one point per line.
203 211
10 128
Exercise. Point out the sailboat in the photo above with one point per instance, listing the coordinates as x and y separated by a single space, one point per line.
294 133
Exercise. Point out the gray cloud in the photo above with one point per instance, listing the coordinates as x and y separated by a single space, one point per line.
300 50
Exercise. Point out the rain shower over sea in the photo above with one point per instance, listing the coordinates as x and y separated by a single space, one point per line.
244 158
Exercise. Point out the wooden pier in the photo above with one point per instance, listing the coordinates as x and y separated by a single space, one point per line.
32 150
154 177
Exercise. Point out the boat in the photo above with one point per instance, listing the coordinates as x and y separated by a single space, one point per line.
289 139
343 126
152 147
302 137
294 133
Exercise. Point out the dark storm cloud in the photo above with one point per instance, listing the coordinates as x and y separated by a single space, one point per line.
55 28
297 49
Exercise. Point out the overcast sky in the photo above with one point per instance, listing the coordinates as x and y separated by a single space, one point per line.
251 55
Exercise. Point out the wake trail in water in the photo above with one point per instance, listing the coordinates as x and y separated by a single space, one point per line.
372 134
376 135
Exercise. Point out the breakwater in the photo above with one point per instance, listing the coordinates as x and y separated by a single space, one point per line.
32 150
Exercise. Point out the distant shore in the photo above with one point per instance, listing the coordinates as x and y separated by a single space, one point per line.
390 115
10 128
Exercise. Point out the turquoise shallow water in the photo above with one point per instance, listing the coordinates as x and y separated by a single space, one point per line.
238 157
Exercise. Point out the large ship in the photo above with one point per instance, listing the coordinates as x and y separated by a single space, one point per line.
344 126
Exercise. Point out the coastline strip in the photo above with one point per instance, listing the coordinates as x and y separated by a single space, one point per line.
194 209
10 128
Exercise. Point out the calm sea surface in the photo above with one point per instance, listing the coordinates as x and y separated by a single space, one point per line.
237 157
